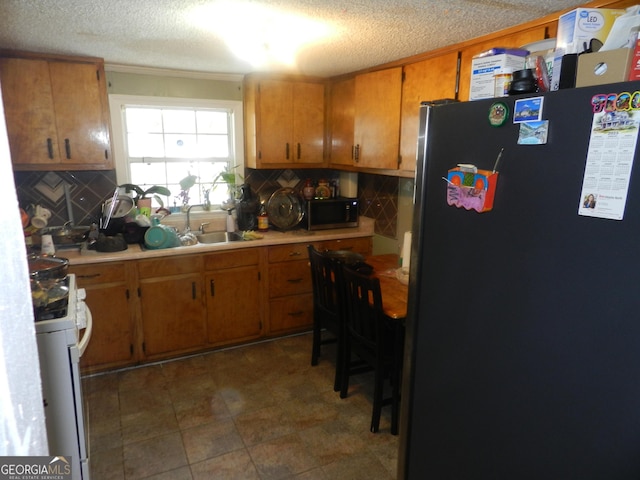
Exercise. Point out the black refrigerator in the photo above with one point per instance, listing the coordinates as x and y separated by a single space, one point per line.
522 355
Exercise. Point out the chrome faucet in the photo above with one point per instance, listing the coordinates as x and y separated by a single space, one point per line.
187 225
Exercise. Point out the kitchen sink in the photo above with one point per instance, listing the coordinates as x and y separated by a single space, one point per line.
218 237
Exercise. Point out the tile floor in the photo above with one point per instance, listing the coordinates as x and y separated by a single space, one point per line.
254 412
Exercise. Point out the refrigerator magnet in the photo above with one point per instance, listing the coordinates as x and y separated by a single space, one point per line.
528 110
498 114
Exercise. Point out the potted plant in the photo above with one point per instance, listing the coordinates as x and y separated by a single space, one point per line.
185 185
142 199
231 180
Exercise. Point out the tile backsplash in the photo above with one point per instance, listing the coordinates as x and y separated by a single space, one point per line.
378 194
87 192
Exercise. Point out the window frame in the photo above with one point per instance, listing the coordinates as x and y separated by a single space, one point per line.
118 101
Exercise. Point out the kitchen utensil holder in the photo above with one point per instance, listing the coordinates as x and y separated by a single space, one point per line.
471 190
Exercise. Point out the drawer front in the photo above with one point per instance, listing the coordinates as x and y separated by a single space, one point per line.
291 313
161 267
290 278
289 253
362 245
233 258
97 274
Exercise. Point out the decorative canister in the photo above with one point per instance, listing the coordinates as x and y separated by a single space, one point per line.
309 191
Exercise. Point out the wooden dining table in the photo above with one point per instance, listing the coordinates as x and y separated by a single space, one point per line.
394 293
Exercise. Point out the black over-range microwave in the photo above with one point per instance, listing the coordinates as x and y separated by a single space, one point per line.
327 213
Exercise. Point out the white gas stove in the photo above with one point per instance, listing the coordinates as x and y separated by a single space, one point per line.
62 336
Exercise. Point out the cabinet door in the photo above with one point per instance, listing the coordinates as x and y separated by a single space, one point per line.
56 112
289 278
29 111
233 305
109 299
275 124
363 245
173 315
111 341
377 122
341 122
291 313
288 253
83 131
308 123
430 79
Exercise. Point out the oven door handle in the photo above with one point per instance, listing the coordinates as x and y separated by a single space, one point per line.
82 344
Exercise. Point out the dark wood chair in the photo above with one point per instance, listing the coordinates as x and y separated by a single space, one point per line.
326 308
374 339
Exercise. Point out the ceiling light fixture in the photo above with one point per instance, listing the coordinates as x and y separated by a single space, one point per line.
259 34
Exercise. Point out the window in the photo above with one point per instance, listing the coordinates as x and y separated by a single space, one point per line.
161 141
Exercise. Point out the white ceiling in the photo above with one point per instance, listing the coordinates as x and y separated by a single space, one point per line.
161 33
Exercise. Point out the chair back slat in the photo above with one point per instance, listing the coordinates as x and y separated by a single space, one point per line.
323 276
363 308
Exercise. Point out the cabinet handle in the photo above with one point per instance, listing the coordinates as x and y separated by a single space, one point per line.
67 147
294 254
50 148
193 290
298 151
91 275
353 152
296 313
294 280
212 287
287 150
357 153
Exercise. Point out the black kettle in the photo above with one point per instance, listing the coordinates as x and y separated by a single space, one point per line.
247 209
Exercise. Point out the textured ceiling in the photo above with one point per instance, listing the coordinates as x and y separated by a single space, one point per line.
163 34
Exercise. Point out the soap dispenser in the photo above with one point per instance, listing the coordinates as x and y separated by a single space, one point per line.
231 223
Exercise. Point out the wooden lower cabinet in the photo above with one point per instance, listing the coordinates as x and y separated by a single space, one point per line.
172 306
290 289
290 302
363 246
152 309
233 291
172 315
109 298
290 313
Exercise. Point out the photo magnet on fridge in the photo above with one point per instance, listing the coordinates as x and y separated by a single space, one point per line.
533 133
528 110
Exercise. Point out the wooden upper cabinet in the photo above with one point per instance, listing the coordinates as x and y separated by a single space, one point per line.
284 123
341 122
430 79
308 122
377 118
57 114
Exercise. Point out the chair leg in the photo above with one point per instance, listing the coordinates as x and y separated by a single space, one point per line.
377 400
395 401
344 370
339 363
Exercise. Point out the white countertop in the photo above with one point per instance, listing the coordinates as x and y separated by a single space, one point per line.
272 237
